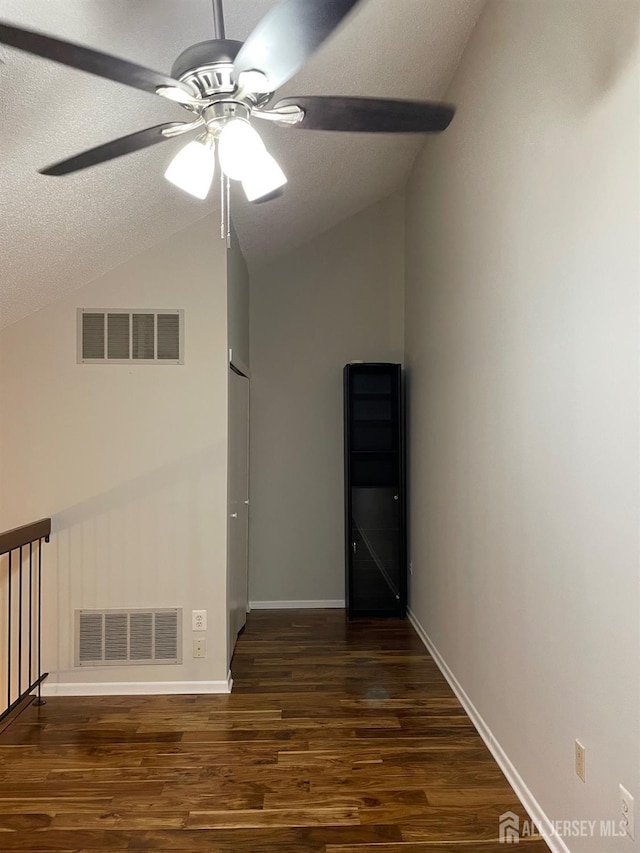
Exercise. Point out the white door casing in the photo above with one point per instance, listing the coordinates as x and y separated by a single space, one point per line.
238 522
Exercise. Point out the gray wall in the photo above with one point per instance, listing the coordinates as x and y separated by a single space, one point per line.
522 351
336 299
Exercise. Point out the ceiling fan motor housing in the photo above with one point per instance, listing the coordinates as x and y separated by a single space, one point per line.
218 114
208 67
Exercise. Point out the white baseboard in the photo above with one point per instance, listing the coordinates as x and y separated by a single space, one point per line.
334 604
532 806
132 688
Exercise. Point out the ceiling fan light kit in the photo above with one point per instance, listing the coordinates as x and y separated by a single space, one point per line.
264 180
239 145
225 84
242 156
193 167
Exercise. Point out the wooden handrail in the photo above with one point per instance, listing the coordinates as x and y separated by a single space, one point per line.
19 536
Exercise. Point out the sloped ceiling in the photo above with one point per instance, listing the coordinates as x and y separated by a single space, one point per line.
59 233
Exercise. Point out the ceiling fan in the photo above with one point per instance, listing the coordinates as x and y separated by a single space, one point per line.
226 85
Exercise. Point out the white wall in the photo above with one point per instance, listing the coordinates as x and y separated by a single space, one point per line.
336 299
129 461
522 263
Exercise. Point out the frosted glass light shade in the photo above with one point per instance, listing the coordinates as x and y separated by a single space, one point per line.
193 168
239 146
264 178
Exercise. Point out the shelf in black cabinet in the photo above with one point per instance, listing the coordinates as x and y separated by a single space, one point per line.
369 395
375 452
376 421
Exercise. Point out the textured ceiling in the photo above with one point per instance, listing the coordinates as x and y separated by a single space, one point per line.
59 233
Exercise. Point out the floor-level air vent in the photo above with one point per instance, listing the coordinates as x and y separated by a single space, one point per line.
130 337
128 637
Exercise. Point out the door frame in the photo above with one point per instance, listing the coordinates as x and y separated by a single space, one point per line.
244 373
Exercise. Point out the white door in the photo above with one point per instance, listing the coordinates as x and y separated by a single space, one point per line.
238 506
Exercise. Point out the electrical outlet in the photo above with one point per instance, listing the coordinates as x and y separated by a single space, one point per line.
200 648
626 808
198 620
581 761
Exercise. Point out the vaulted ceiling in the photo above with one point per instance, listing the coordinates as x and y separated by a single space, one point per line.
59 233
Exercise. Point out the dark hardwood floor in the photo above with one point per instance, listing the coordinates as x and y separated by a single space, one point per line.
338 738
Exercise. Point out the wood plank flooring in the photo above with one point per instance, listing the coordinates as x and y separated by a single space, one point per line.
338 738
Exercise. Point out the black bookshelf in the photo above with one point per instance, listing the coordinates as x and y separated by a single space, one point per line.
375 515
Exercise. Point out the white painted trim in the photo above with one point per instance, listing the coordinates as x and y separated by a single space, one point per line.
329 604
533 807
131 688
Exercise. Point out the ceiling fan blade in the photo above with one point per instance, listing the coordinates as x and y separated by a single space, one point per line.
370 115
286 38
111 150
276 194
94 62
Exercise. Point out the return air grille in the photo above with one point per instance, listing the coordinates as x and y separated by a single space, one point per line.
130 337
126 637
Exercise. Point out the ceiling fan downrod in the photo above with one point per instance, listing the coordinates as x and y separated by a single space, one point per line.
218 19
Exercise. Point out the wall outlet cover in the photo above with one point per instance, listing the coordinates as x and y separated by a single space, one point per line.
581 761
626 808
198 620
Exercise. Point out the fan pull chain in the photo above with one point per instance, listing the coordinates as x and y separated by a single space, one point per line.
225 208
228 213
223 229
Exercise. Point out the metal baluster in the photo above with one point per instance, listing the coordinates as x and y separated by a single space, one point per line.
9 638
39 700
20 624
30 613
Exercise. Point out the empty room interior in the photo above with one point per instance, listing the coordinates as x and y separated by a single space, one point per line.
319 426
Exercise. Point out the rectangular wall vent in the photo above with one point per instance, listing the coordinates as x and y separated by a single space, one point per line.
130 337
126 637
